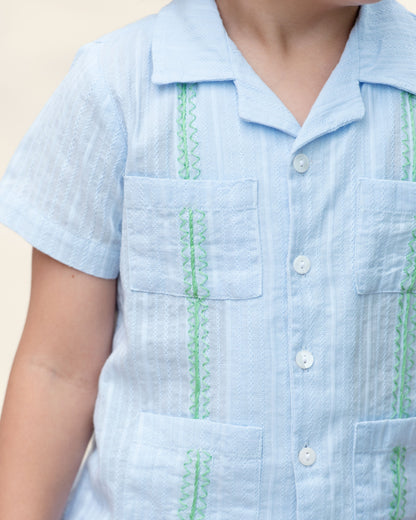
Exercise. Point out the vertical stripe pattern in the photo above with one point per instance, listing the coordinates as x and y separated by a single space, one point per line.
406 320
192 235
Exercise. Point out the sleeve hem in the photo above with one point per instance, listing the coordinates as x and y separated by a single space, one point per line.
58 242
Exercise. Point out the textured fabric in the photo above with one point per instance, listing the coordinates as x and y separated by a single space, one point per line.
164 160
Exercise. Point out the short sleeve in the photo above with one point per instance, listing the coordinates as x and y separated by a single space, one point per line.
62 190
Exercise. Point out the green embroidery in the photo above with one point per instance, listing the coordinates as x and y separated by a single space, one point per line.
195 276
193 500
186 96
192 235
193 131
204 482
193 228
398 505
403 358
186 483
406 321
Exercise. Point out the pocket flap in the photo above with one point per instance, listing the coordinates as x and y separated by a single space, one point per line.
150 193
387 195
166 431
384 435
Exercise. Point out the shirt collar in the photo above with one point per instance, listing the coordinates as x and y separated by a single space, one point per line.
387 40
190 44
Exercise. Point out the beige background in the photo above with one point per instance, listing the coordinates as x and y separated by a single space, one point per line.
38 41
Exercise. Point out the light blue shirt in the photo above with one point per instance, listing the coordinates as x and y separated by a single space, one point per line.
263 362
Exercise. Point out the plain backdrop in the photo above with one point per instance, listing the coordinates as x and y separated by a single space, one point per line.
38 41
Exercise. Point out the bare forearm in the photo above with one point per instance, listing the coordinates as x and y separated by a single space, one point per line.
45 427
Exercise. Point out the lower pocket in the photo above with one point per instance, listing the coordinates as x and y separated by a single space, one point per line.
385 469
183 468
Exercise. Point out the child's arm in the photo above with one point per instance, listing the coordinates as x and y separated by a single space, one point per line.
47 415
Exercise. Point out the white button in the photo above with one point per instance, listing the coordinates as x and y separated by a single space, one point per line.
304 359
301 163
302 264
307 456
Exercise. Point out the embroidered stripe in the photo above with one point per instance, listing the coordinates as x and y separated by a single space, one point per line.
185 485
193 228
194 265
192 235
203 492
182 132
398 505
186 96
193 501
406 320
193 130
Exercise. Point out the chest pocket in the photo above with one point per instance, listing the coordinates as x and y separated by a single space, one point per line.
385 236
193 238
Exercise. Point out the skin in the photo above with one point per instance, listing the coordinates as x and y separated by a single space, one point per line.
292 45
47 417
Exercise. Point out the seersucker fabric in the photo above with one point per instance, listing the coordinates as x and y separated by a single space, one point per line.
263 359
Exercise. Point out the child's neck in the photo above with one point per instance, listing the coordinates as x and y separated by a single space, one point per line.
293 49
287 25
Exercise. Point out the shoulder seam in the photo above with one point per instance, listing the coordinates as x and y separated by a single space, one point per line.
110 91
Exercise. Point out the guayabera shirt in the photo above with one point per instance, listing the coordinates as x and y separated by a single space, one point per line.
263 359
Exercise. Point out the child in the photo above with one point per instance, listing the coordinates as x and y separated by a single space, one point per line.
238 181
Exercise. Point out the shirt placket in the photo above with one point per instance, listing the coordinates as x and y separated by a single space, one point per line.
309 362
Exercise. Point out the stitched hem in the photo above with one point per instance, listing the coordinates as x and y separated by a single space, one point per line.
58 242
